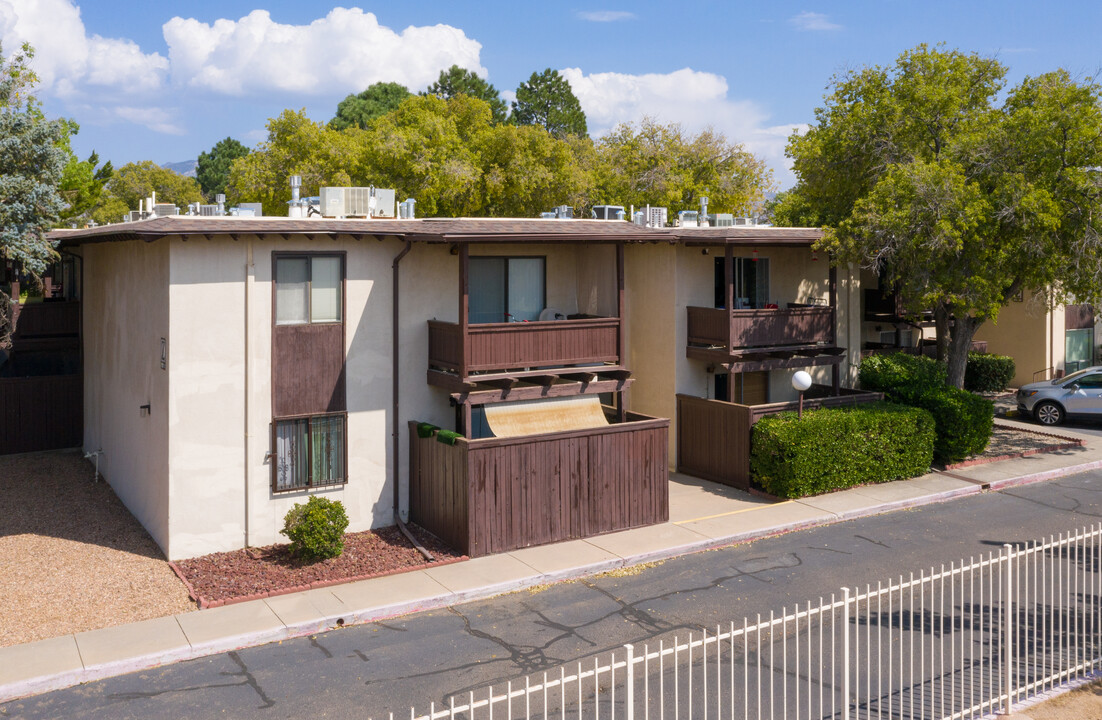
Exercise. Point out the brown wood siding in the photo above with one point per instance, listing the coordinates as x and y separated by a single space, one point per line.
760 328
713 436
48 319
540 489
504 346
307 369
709 326
1078 317
41 413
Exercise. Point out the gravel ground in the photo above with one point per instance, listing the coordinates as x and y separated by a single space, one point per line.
272 569
1084 703
72 557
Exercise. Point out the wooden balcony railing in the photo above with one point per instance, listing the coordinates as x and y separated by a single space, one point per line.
498 494
504 346
768 328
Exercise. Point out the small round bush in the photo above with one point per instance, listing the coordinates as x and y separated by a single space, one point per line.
988 373
316 529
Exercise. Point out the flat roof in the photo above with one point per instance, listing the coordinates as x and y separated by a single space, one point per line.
437 230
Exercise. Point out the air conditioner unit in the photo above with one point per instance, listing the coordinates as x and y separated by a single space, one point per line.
722 220
135 215
357 202
208 211
656 217
609 212
688 218
165 209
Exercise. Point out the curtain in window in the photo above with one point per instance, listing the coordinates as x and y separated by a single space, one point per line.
325 289
291 454
327 443
487 290
292 282
525 288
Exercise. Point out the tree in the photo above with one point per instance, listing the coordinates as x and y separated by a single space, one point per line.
547 100
655 164
81 187
213 169
296 145
958 203
375 101
134 182
32 162
460 81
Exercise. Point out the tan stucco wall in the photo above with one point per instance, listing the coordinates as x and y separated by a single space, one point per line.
1029 332
126 313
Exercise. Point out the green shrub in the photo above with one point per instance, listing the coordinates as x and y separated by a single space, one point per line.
836 448
962 420
316 529
901 374
988 373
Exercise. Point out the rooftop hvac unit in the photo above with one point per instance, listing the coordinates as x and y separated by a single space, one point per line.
135 215
722 220
608 212
656 217
357 202
256 208
209 211
565 212
688 218
165 209
547 216
744 221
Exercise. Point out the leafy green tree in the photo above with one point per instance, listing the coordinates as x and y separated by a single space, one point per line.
525 171
656 164
213 169
32 164
376 100
959 202
460 81
296 145
134 182
547 100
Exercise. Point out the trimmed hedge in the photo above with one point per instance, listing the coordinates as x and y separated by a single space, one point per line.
988 373
963 421
316 529
834 448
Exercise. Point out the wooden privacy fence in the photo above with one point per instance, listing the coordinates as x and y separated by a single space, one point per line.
40 413
713 436
497 494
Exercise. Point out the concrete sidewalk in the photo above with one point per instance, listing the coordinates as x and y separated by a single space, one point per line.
703 515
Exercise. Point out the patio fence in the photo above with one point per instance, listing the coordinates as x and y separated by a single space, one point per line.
960 641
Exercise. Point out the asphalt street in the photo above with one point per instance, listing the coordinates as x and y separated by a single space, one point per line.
370 670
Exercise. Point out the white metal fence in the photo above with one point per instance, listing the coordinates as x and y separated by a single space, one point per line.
961 641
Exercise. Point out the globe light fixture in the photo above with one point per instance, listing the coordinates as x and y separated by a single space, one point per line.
801 381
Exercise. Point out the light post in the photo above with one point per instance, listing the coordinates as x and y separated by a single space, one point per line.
801 381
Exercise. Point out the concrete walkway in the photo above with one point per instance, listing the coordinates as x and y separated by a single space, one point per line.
703 515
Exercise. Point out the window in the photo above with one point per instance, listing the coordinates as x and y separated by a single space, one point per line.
1078 349
751 282
308 289
506 289
309 452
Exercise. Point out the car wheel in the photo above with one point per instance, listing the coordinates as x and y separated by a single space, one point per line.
1049 413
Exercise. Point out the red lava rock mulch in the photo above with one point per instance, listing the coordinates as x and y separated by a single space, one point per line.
1008 442
228 577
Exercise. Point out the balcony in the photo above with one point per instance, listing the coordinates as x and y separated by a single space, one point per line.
505 347
763 339
493 495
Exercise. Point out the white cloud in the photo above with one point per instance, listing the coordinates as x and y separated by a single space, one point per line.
606 15
813 21
154 118
345 51
67 59
695 99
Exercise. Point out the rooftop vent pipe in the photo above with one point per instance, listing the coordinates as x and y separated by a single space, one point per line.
221 200
294 208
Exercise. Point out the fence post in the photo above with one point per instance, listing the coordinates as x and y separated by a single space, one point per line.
629 682
1008 628
845 653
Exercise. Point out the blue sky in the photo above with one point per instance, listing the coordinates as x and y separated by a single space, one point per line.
165 81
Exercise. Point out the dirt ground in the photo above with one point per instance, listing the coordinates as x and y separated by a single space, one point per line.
72 557
1082 704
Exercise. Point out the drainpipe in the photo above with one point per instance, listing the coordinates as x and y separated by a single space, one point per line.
250 276
395 390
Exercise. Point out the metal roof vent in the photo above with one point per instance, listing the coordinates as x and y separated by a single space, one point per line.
406 209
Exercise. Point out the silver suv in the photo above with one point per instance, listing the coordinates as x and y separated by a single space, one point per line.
1052 401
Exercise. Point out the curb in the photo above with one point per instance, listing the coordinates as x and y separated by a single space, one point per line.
69 678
